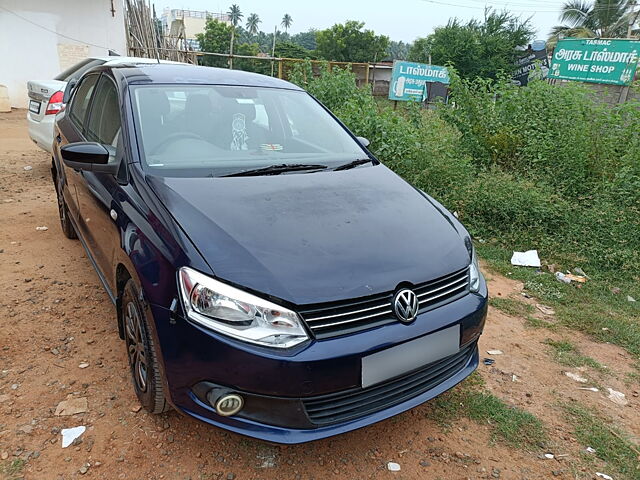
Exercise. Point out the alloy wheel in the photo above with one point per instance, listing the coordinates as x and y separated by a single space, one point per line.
135 346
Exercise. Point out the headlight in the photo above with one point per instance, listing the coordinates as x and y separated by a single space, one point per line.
237 313
474 272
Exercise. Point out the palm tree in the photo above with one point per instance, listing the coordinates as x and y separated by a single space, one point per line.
286 22
600 18
252 23
235 15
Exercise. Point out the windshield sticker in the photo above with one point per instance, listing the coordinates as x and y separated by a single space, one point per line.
271 147
239 132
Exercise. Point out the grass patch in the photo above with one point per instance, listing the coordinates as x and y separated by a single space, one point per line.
511 307
510 425
11 470
534 322
567 354
592 309
633 377
610 443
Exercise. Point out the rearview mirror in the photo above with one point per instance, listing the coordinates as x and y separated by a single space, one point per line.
88 156
363 141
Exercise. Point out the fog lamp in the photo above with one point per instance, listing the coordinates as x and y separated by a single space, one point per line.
229 404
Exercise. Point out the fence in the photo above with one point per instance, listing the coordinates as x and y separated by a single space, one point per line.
378 75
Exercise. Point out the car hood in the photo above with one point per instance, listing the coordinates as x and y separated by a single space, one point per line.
315 237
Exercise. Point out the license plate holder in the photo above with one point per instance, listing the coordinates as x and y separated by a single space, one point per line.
395 361
34 107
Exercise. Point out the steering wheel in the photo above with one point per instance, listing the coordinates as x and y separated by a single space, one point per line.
174 137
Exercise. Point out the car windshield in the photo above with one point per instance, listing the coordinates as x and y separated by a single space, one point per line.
203 130
77 70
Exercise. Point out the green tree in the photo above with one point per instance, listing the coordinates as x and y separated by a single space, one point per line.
253 21
292 50
217 39
476 48
235 15
251 64
349 42
286 22
397 50
306 39
600 18
419 51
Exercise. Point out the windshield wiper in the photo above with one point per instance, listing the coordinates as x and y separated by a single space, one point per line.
277 169
355 163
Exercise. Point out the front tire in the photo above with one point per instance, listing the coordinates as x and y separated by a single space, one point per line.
145 371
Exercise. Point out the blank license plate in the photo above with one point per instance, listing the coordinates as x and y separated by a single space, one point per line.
34 106
409 356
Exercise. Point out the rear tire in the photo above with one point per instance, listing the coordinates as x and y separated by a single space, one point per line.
145 371
63 212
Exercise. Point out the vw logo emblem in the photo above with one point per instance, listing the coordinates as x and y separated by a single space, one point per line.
406 305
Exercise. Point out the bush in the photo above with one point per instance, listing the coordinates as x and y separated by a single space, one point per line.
576 161
390 134
543 166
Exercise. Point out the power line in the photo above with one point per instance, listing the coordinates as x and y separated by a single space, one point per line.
437 2
507 4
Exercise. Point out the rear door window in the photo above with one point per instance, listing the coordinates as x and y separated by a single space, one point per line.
80 102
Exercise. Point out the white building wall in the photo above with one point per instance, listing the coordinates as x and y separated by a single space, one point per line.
40 38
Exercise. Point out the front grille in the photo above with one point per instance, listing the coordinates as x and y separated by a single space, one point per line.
341 318
358 402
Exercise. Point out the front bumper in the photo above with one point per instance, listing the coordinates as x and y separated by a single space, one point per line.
283 389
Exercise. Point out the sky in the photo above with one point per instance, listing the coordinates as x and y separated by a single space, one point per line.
399 19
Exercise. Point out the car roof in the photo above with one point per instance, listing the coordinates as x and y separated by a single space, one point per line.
165 73
114 60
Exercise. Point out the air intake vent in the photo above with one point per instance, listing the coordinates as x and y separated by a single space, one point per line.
358 402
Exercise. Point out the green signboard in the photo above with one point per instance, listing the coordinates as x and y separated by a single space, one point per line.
595 60
409 80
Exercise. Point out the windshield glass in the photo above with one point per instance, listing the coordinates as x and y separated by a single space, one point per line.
208 130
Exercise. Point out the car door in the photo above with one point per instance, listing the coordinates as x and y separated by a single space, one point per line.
97 190
73 131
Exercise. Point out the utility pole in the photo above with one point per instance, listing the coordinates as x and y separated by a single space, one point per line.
233 36
273 49
632 18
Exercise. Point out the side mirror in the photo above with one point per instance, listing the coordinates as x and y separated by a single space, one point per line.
88 156
363 141
68 90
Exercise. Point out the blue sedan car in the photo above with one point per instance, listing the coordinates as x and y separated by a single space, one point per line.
270 275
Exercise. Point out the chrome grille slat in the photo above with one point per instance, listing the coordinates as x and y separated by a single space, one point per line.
442 279
357 314
444 286
314 319
430 299
327 325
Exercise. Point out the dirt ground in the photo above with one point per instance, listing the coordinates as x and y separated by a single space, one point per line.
57 319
